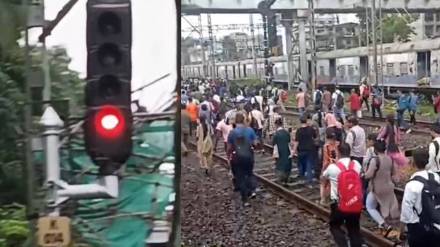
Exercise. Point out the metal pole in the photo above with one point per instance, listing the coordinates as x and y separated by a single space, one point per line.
46 72
367 36
381 47
254 55
52 124
29 168
303 49
312 45
266 49
202 47
211 38
288 32
373 21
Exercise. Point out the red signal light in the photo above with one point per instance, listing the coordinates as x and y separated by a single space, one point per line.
110 122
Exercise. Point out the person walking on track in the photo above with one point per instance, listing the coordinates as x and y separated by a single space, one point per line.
193 112
241 142
185 122
326 100
205 147
356 139
365 91
338 105
434 150
342 212
301 101
304 147
330 156
391 135
282 154
417 207
381 173
223 129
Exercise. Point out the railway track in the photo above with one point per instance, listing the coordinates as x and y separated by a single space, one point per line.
422 127
296 192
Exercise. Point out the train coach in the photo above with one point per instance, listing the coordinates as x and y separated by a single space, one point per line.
405 65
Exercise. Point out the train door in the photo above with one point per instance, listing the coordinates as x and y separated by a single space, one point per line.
244 71
363 64
423 64
332 68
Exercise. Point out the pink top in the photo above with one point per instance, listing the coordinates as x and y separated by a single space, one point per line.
300 99
383 135
331 121
225 129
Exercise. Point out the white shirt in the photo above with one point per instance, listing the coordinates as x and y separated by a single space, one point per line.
434 161
315 93
412 197
335 96
357 142
332 174
258 115
258 99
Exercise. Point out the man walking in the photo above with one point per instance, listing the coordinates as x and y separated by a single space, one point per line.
337 216
356 139
241 152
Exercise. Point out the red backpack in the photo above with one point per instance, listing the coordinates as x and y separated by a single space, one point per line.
349 189
366 92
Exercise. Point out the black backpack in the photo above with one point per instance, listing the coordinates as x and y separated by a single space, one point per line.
242 147
339 101
254 122
318 98
430 215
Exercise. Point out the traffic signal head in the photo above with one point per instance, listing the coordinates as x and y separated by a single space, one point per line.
108 121
272 30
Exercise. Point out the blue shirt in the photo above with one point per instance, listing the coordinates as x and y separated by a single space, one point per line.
248 132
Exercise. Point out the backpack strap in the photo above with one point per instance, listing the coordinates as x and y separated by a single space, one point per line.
354 136
351 165
437 149
341 166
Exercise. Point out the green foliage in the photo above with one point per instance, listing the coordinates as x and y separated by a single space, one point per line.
13 225
395 26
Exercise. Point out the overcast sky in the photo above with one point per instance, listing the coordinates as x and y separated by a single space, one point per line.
154 48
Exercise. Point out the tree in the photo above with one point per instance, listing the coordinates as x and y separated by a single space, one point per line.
395 27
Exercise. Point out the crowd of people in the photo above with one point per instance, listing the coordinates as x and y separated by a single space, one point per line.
354 169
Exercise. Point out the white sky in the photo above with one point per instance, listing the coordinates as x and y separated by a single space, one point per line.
154 47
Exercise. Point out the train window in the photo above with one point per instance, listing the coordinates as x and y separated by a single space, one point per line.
403 68
350 70
437 17
390 69
429 17
429 30
321 70
342 70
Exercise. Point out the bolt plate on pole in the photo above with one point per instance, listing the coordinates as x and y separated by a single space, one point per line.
54 231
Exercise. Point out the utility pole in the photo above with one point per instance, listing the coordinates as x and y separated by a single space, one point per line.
373 21
254 55
367 36
211 39
46 72
266 49
202 46
312 46
381 45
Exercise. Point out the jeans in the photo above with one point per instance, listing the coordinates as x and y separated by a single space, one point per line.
242 170
301 111
339 114
400 117
351 222
305 165
375 109
371 205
